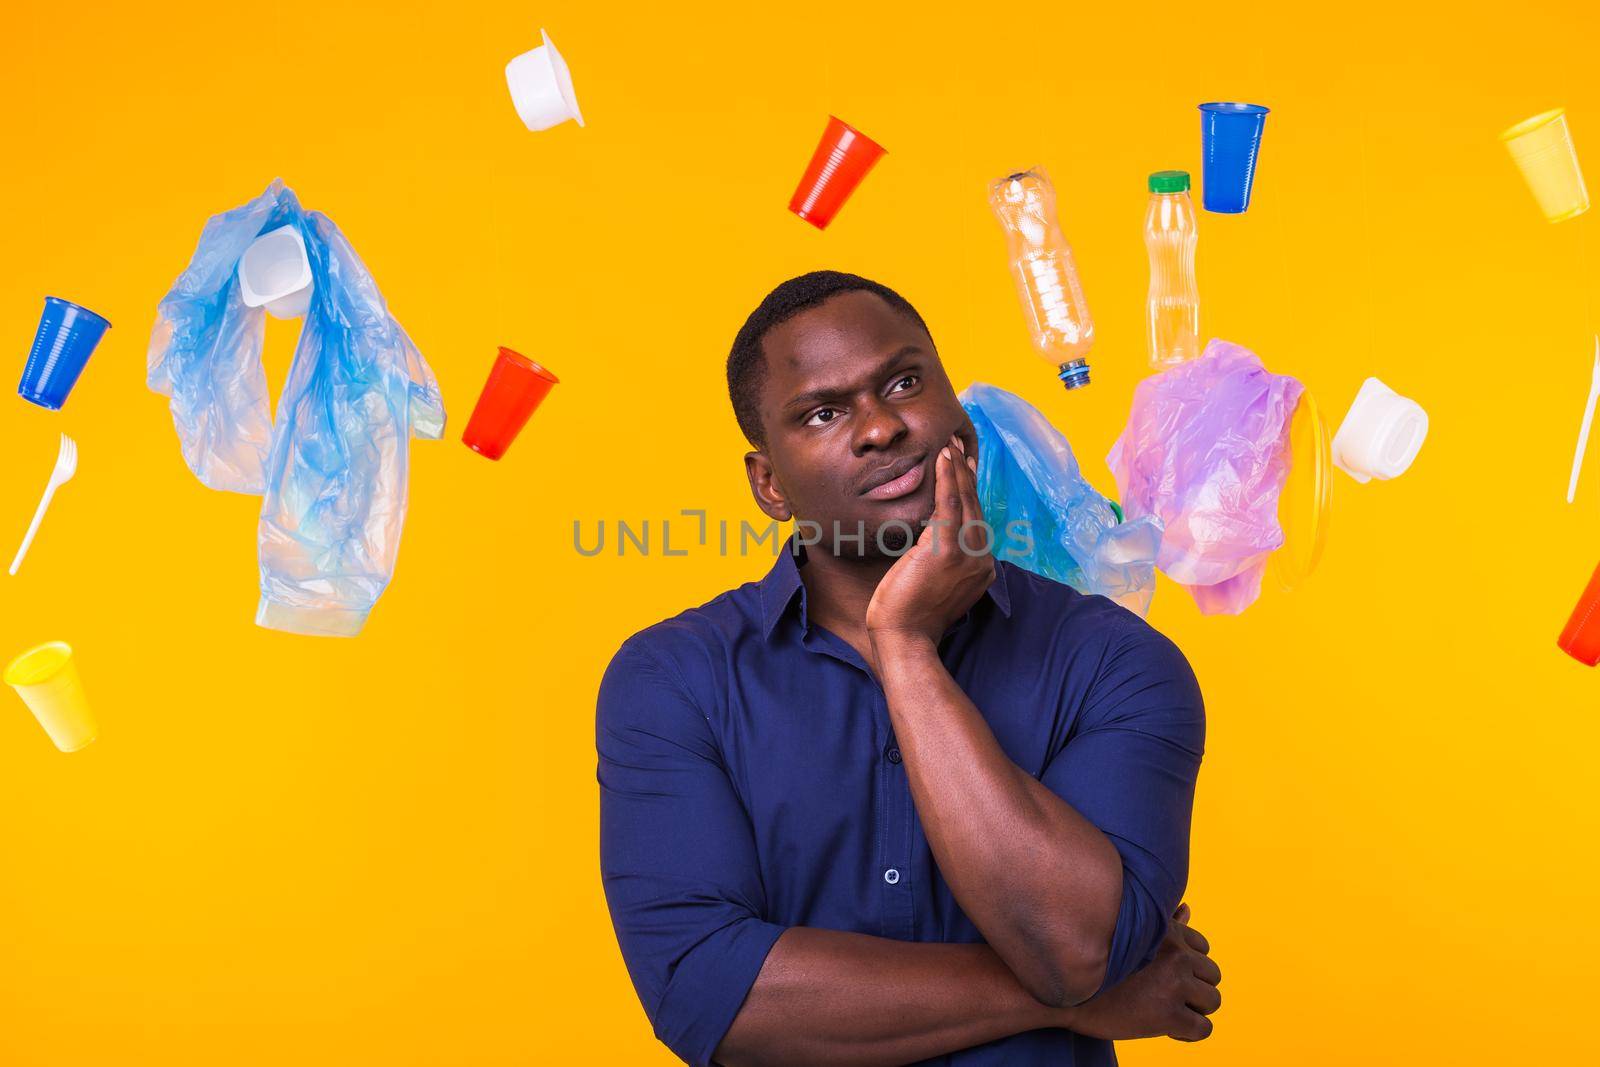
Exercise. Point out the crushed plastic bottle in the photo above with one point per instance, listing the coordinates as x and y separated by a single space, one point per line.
1173 310
1047 275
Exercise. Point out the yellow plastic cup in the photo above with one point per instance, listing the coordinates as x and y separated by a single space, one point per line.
46 678
1542 149
1306 502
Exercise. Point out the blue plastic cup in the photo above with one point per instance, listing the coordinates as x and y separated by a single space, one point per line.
66 339
1230 139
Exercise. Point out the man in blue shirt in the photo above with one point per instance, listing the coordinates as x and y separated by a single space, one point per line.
897 802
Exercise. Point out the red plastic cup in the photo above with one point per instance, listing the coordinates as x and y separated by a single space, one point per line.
1581 637
842 159
515 387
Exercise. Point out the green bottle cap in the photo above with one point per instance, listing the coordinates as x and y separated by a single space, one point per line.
1169 181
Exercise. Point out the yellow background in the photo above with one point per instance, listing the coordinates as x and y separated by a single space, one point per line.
383 851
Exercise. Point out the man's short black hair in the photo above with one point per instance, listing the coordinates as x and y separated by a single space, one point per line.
747 362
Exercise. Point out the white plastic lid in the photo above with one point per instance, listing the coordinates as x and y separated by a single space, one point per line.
1380 435
276 272
541 87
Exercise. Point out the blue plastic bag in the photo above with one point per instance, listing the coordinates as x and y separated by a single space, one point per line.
333 466
1027 474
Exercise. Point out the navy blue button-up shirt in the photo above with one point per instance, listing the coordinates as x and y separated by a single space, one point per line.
750 782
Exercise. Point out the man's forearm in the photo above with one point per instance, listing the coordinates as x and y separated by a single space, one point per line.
830 997
1041 882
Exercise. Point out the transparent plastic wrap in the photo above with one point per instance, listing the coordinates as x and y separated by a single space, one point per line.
1206 452
1027 473
333 467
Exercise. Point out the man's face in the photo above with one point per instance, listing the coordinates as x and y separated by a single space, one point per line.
856 407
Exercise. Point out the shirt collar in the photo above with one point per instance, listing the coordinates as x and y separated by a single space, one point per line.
779 587
782 584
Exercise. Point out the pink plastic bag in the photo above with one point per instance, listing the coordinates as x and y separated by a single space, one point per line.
1205 451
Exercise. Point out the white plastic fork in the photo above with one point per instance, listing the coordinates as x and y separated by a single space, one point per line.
66 467
1583 428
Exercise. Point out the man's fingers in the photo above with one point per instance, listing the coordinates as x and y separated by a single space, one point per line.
967 479
941 529
948 488
977 539
1206 969
1203 997
1191 1026
1196 939
1182 914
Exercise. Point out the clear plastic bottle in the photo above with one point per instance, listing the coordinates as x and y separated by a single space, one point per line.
1173 326
1047 277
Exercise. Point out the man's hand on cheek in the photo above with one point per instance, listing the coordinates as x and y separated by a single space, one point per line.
945 572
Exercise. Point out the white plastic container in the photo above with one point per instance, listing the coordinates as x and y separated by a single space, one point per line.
275 272
541 87
1380 435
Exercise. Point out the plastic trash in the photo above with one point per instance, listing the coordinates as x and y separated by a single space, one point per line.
1027 473
1305 505
1381 433
66 466
275 273
1543 151
1580 637
66 338
46 678
1583 427
333 466
1172 311
1046 273
541 87
1230 142
841 160
515 387
1205 451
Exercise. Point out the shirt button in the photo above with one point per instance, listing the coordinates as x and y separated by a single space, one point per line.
894 755
891 876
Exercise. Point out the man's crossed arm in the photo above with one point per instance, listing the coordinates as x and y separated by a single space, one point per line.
850 1000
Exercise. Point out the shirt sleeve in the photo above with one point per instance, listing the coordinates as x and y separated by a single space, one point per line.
1129 767
678 858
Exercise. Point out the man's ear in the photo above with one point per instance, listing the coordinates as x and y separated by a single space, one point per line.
764 487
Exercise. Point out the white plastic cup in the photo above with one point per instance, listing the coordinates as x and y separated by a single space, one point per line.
275 272
541 87
1381 434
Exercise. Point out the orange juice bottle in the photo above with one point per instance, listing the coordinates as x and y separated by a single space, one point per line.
1173 315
